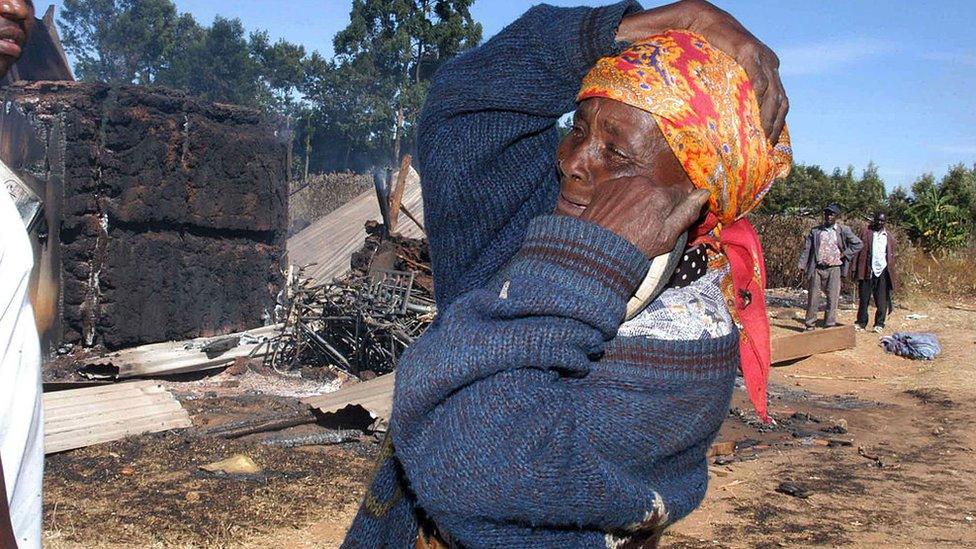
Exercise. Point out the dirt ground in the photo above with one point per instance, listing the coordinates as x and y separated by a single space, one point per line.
884 448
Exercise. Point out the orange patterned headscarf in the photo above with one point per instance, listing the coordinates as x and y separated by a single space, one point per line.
705 106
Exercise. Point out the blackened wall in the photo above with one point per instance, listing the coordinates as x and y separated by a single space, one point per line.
174 212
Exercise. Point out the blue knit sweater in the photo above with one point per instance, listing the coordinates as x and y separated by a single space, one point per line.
520 419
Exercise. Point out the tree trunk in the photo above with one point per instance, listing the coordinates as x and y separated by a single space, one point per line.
308 150
291 146
398 134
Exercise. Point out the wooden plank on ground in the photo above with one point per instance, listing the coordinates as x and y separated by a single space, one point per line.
802 345
83 417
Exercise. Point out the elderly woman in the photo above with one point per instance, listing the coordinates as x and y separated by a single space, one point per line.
548 406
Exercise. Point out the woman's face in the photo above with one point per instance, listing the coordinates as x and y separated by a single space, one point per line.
610 140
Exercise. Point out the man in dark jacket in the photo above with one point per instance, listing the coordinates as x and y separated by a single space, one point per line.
874 270
827 255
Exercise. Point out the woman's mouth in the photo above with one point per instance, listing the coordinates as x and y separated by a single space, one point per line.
565 206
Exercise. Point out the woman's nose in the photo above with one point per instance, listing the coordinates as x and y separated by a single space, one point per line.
576 165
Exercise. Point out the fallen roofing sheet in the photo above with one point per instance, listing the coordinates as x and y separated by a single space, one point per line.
331 241
802 345
84 417
178 357
375 396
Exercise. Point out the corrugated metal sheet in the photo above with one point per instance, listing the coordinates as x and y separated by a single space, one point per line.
331 241
84 417
375 396
176 357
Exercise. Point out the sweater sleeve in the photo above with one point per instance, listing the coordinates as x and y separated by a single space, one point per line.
487 136
505 412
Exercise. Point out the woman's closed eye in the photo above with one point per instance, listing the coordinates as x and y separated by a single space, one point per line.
617 153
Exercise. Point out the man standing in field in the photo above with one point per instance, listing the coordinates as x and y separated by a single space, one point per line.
827 255
874 272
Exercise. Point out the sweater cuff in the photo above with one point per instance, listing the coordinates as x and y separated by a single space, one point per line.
576 257
597 34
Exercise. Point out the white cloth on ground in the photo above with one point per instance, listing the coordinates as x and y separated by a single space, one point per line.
21 415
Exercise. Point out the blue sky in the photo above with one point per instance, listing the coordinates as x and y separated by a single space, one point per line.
889 81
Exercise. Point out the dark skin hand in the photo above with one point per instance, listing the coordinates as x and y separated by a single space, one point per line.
728 35
616 170
615 167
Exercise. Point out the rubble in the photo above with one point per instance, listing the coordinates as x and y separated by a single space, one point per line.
358 325
318 439
795 490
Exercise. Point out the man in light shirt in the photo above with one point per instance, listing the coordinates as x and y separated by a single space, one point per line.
875 273
827 254
21 421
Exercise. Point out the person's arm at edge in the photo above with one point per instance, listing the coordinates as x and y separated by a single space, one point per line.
487 137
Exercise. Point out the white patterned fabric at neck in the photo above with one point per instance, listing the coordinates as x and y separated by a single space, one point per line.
694 312
879 252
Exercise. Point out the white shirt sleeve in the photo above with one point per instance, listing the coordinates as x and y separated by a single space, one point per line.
21 416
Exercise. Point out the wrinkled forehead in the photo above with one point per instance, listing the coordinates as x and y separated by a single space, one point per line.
619 120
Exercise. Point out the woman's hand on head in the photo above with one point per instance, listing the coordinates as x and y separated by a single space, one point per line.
651 217
725 33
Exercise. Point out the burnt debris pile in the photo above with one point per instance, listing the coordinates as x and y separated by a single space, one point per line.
359 323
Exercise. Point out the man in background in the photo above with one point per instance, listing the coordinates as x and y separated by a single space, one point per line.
827 255
21 425
874 272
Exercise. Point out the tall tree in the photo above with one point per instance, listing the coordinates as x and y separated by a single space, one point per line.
225 69
402 43
869 192
959 185
119 41
897 204
282 70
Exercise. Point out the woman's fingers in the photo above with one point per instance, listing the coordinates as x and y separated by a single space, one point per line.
685 214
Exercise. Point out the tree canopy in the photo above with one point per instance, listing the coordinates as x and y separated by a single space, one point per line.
359 109
353 111
148 42
938 214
